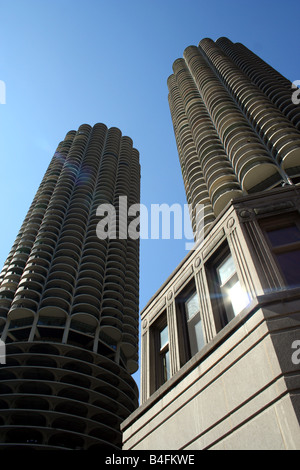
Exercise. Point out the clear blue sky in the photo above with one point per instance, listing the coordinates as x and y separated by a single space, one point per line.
66 63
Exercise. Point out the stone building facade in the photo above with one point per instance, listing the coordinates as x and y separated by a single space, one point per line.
220 367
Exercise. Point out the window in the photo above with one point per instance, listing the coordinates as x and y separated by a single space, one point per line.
233 296
191 338
194 324
228 296
283 237
160 365
164 354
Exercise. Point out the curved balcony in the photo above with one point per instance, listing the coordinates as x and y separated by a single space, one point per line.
51 231
254 173
93 270
113 282
94 278
111 311
85 308
128 345
131 330
68 236
68 250
218 173
224 194
133 296
52 315
38 261
66 257
22 302
79 213
60 268
130 321
88 289
86 298
30 291
92 242
86 282
10 282
290 156
30 283
45 240
21 313
84 323
59 283
112 297
53 302
35 271
57 292
111 325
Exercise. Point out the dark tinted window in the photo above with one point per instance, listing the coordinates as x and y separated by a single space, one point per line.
290 266
284 236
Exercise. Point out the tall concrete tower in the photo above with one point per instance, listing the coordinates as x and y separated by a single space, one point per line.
69 303
237 129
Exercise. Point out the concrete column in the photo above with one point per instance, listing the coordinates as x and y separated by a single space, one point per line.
5 330
173 334
205 306
145 363
66 330
33 328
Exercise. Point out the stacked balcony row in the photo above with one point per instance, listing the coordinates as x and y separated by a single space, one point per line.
195 187
217 170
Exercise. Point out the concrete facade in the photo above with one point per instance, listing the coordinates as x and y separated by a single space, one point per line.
241 390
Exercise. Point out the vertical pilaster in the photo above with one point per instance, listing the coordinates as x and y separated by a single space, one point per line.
145 363
205 306
173 333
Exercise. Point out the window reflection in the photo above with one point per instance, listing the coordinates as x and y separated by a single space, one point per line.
284 236
194 324
285 243
164 353
234 296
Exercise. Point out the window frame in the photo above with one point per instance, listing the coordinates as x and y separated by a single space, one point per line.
230 280
157 353
223 311
185 353
164 349
276 223
190 324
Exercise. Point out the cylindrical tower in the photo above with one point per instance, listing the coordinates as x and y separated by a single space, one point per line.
235 125
69 302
